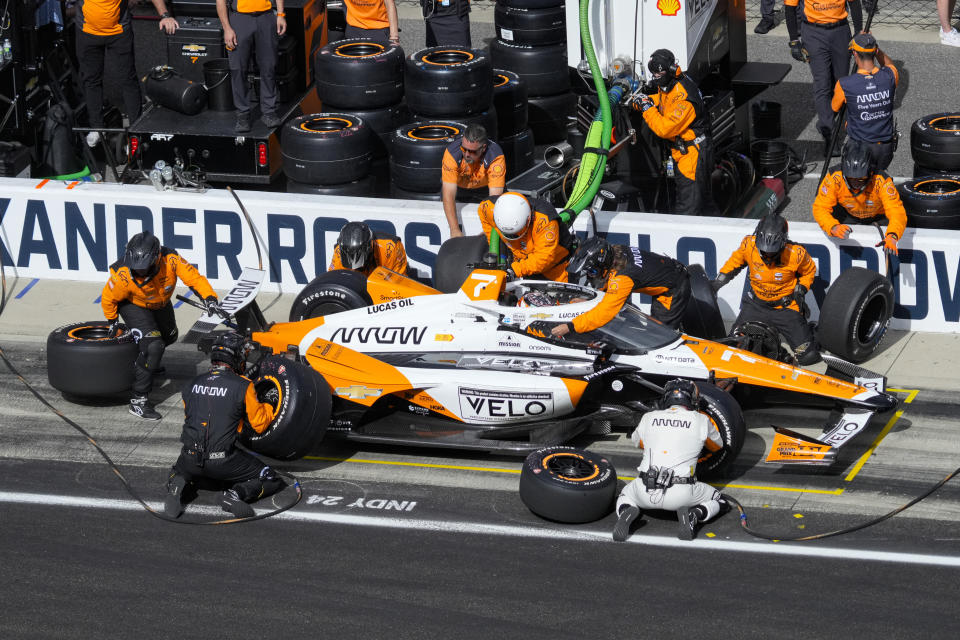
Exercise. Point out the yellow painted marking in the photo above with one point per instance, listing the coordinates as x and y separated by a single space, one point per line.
798 515
711 535
912 393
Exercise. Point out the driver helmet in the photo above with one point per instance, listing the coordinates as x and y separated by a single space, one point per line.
856 165
591 263
142 256
511 214
682 392
771 236
535 299
663 66
229 348
356 246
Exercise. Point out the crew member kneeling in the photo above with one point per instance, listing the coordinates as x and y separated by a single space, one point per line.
780 274
360 249
218 405
671 439
139 291
619 271
539 240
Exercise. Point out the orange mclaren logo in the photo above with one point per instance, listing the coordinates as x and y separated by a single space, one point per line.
668 7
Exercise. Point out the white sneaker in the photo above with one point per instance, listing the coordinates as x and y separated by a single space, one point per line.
952 38
93 138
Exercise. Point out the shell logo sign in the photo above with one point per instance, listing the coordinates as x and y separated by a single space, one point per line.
668 7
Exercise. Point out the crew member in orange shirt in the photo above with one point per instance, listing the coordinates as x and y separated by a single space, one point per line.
372 19
855 192
539 240
470 162
360 249
104 31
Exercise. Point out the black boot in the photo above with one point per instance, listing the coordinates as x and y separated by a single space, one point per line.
173 503
141 407
622 529
688 520
231 502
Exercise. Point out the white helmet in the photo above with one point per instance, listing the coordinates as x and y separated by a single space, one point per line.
511 214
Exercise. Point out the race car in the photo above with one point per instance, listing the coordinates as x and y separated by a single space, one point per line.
389 360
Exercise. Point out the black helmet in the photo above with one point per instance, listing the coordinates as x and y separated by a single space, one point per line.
142 256
856 165
229 348
356 245
591 263
682 392
662 61
771 236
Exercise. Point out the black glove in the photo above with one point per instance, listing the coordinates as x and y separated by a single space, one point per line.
721 280
114 328
510 274
799 291
213 307
798 52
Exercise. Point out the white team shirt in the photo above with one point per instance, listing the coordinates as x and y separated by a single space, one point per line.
673 438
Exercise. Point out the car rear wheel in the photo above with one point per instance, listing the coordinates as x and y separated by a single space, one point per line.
451 269
331 292
726 415
566 484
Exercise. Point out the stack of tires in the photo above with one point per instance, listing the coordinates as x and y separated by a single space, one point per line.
362 81
515 137
416 158
531 37
932 198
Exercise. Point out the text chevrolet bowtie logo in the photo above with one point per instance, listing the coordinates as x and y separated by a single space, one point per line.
358 392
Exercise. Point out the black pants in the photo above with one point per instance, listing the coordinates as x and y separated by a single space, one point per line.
91 52
375 35
255 35
792 325
829 61
695 197
767 7
237 470
153 330
881 153
448 30
680 296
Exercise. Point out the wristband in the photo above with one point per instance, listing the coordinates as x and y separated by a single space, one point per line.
281 14
165 15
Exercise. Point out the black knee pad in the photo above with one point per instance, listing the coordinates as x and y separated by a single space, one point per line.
151 351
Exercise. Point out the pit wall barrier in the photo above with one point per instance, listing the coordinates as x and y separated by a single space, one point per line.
75 230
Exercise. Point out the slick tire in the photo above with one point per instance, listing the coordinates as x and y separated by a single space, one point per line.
566 484
326 148
702 317
920 171
727 417
364 187
448 81
450 269
399 193
548 116
932 202
536 27
518 152
416 154
300 417
358 74
510 102
83 362
857 309
382 123
543 69
331 292
935 141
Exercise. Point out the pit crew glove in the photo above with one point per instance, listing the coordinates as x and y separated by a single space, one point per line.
889 244
840 231
114 328
798 52
721 280
271 395
643 103
213 307
510 274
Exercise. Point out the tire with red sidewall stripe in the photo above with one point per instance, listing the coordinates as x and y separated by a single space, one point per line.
83 362
566 484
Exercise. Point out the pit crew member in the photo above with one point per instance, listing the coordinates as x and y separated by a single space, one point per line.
219 404
360 249
780 274
472 161
619 271
139 291
857 193
672 438
540 242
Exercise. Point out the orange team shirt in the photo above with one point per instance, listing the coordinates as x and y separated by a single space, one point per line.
103 17
253 6
538 251
476 175
672 118
821 11
367 14
880 196
388 253
773 283
156 293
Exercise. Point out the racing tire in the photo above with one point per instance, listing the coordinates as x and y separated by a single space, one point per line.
725 413
450 269
331 292
448 81
569 485
399 193
382 122
83 362
358 73
326 148
548 116
702 317
416 154
535 27
935 141
518 152
486 118
859 305
510 102
932 202
920 171
543 69
300 417
364 187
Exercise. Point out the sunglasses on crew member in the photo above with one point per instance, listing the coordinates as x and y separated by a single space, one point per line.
469 150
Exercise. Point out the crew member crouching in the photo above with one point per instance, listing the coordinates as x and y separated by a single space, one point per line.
360 249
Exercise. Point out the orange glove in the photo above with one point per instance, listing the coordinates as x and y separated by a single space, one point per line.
840 231
889 244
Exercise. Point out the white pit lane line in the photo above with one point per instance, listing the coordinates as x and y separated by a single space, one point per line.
513 531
